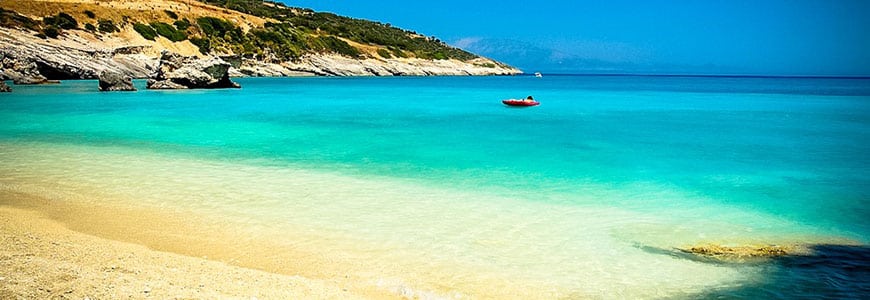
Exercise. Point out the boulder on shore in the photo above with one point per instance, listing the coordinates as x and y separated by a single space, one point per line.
4 88
175 71
112 81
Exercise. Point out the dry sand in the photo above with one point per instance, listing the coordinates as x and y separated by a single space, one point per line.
42 259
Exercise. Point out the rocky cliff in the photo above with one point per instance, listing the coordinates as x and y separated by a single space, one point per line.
27 56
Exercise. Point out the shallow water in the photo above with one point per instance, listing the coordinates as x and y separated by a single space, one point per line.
460 193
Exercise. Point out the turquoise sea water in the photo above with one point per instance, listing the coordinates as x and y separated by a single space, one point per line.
615 166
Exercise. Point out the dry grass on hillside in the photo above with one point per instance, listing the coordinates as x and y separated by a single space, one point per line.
131 11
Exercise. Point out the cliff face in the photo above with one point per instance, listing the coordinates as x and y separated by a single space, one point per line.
25 57
28 57
337 65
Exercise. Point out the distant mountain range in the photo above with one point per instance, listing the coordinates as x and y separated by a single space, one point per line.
532 58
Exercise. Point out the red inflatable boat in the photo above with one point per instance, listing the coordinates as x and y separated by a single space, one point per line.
519 102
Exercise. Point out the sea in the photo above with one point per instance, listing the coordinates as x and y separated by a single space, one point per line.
430 187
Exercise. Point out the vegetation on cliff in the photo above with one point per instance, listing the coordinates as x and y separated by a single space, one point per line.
309 22
286 34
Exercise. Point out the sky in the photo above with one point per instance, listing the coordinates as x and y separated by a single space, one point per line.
738 37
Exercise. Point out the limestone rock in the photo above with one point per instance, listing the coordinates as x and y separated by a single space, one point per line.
112 81
164 85
26 59
234 60
21 71
337 65
4 88
180 72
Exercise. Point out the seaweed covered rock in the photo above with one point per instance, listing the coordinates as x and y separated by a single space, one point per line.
738 252
4 88
112 81
186 72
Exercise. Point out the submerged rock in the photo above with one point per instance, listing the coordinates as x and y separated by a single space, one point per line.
182 72
112 81
739 252
4 88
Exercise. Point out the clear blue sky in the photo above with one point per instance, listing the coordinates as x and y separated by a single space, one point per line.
711 37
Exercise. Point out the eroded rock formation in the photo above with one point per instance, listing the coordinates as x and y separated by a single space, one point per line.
26 59
113 81
175 71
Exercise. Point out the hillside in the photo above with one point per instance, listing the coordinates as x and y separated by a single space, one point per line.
260 38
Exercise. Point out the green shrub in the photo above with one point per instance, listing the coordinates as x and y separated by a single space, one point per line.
204 45
90 14
222 30
213 26
12 19
169 32
398 52
334 44
106 26
51 31
62 21
146 31
183 24
305 25
171 14
268 36
384 53
90 27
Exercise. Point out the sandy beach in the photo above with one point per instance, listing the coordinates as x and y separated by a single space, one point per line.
42 259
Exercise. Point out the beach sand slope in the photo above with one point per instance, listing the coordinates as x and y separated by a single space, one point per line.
41 259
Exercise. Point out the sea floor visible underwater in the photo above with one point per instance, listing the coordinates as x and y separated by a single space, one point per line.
429 187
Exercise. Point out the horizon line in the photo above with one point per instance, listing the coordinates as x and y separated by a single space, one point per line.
702 75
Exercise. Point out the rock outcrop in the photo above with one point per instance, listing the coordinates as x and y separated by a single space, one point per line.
337 65
185 72
113 81
27 59
4 88
20 70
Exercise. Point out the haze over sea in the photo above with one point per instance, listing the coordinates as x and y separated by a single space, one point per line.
429 186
